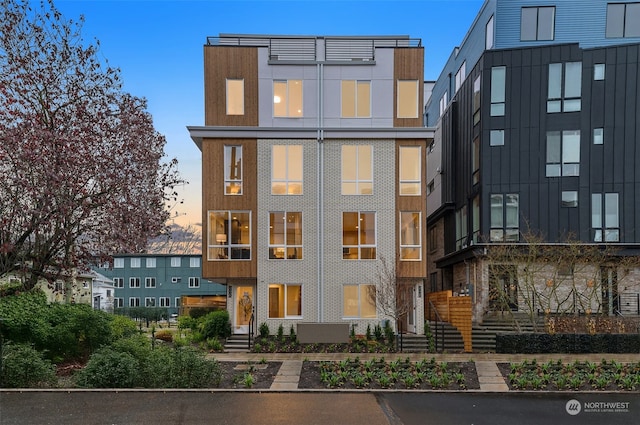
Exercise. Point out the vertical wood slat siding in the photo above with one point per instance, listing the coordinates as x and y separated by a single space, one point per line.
416 269
213 198
220 63
408 64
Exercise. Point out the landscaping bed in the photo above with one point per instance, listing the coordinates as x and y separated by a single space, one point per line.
354 373
575 376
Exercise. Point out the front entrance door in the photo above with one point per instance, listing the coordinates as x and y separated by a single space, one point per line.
503 288
411 314
243 309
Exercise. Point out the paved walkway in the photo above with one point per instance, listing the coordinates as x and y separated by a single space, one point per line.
489 376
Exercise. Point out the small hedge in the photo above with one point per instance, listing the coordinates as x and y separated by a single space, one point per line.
532 343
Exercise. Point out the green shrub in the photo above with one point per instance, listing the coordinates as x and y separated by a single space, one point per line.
280 332
108 368
197 313
263 330
187 322
216 325
214 344
190 369
122 327
24 367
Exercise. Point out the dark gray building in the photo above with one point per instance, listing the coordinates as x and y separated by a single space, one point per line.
539 138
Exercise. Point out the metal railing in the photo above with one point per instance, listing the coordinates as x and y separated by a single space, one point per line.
399 340
252 324
433 313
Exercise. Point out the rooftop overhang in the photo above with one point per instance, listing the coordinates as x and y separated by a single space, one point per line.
198 133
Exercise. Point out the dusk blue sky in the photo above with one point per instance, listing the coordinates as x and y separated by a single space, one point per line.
158 47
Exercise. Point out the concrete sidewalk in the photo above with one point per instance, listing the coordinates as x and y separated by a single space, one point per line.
489 376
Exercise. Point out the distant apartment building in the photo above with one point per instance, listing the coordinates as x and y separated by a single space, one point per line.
536 117
313 153
162 280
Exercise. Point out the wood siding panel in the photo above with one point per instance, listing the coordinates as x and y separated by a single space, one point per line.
220 63
408 64
414 269
213 198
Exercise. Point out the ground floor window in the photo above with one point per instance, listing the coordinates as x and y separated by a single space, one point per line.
134 302
359 301
149 302
165 301
285 300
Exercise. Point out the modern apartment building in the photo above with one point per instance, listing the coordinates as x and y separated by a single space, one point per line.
536 117
162 280
313 168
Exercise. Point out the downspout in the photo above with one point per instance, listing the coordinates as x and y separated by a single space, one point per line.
320 197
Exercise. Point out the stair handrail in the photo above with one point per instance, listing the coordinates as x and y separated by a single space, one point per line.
439 322
399 341
251 328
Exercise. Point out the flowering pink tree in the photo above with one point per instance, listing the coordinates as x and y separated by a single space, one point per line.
82 173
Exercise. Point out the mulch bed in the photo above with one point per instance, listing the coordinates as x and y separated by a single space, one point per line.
233 374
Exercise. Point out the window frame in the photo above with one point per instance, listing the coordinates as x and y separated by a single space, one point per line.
236 107
356 165
118 302
489 34
362 289
135 263
617 26
289 179
134 301
151 262
118 263
404 246
561 85
118 282
407 95
134 282
605 223
194 282
413 181
501 230
176 261
149 301
149 282
537 21
225 249
164 301
557 158
285 301
232 183
460 77
358 104
371 248
291 99
285 247
195 262
498 91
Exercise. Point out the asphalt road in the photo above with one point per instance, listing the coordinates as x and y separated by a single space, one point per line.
254 408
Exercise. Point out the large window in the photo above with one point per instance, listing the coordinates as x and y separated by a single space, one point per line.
286 170
229 235
359 301
476 100
235 96
537 23
359 235
194 282
623 20
410 236
285 235
285 301
410 170
356 99
357 170
287 98
460 76
605 217
233 170
565 87
488 34
504 218
407 99
498 85
563 153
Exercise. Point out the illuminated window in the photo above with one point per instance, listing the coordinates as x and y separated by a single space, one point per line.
229 235
410 170
285 301
357 170
358 235
407 99
286 170
359 301
233 170
287 98
356 99
235 97
410 236
285 235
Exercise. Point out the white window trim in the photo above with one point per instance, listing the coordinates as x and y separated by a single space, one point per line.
150 282
194 282
132 280
134 301
176 261
148 300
